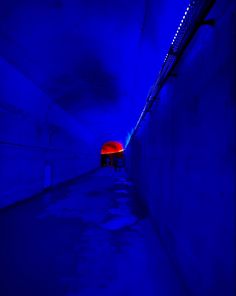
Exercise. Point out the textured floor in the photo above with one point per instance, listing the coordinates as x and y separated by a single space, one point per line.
92 238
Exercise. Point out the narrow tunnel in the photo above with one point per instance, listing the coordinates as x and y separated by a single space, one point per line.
117 148
112 154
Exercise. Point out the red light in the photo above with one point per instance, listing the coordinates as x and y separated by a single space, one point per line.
112 147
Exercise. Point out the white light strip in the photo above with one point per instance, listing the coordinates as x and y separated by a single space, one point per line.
166 57
181 23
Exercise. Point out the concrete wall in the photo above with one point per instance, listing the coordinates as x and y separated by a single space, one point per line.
183 160
40 144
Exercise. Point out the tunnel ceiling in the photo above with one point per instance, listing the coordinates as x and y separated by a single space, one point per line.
83 54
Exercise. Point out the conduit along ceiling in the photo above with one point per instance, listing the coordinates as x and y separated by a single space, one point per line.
96 59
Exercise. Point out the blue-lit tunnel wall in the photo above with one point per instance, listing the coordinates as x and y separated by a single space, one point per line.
183 159
74 75
54 120
41 144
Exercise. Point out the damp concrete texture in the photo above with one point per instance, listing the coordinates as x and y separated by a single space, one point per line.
92 237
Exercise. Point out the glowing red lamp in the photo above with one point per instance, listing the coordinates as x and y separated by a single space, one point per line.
112 147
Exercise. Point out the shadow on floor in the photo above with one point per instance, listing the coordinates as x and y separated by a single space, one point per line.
91 238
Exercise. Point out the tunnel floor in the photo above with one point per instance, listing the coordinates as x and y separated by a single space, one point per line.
92 237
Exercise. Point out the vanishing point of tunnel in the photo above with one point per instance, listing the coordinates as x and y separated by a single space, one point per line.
117 147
